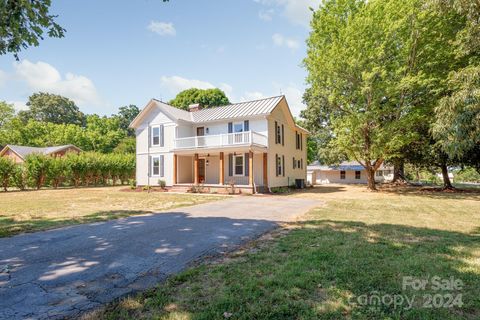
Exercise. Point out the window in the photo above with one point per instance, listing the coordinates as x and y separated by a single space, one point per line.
278 161
358 174
238 127
156 166
342 175
155 136
238 165
379 173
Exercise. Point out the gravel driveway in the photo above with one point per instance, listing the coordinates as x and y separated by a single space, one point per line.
65 272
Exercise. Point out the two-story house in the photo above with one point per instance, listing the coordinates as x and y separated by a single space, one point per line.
254 145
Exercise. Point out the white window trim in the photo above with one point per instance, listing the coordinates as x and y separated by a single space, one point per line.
235 165
153 167
152 137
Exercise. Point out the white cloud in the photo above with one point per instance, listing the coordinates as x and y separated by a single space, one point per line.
18 105
162 28
175 84
253 95
266 15
296 11
282 41
42 76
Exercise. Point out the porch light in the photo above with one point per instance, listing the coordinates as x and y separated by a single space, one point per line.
207 162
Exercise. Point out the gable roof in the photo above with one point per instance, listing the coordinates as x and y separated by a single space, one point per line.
261 107
23 151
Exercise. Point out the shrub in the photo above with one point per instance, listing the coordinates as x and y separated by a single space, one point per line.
162 183
132 183
58 172
38 166
7 170
20 177
467 175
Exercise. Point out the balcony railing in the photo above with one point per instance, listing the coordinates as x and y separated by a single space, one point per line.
222 140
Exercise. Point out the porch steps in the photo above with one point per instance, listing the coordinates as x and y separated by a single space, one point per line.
182 188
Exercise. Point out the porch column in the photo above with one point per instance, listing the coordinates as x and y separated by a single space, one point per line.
174 169
222 169
265 170
250 168
195 168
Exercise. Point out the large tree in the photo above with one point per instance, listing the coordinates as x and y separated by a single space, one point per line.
52 108
359 53
207 98
23 23
7 112
126 114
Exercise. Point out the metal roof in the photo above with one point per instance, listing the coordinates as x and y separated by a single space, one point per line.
231 111
24 151
237 110
343 166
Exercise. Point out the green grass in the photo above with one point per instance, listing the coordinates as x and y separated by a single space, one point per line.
355 243
28 211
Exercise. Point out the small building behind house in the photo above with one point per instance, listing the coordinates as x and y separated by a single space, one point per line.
19 153
348 172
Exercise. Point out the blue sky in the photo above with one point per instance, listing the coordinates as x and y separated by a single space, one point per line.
125 52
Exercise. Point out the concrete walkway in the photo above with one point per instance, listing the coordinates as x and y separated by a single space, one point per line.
64 272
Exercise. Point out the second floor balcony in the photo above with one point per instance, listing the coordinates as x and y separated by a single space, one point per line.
246 138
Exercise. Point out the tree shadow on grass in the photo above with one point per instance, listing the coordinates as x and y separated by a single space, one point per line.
10 226
320 271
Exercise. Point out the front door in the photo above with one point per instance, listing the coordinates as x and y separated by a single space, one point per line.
201 170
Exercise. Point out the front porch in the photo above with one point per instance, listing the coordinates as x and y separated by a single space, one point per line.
242 169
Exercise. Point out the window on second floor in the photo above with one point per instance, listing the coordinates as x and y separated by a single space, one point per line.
157 133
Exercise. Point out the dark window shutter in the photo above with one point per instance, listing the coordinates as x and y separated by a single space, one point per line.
149 136
162 136
276 165
283 165
283 136
230 127
246 125
149 166
162 165
245 157
301 141
276 132
230 164
294 163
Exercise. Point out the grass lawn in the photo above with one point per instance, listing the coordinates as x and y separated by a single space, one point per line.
38 210
355 245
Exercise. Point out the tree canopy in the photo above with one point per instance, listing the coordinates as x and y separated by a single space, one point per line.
207 98
23 23
376 71
52 108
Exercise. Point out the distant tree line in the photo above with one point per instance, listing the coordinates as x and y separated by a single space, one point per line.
55 120
83 169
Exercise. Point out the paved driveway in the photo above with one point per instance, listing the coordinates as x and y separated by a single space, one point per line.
64 272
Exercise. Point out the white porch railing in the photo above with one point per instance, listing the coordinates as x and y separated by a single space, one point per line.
222 140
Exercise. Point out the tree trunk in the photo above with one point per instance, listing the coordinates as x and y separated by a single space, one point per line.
399 171
371 179
446 179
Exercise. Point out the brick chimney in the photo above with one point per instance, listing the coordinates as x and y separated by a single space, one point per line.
194 107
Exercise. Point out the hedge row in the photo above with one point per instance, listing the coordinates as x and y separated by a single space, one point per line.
88 168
